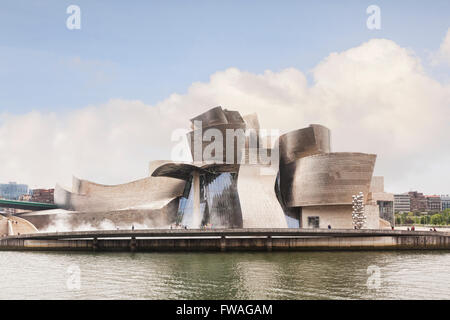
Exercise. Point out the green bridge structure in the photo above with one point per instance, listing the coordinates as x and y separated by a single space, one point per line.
26 205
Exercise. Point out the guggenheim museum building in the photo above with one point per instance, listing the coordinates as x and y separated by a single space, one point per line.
242 181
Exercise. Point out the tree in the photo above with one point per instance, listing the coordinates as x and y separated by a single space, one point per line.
409 220
423 220
437 219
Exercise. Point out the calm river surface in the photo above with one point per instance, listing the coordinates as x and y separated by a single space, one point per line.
299 275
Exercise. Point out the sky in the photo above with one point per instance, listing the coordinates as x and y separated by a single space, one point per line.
101 101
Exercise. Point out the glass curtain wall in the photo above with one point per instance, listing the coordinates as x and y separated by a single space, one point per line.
292 215
219 202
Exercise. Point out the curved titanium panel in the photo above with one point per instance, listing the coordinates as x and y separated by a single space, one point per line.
184 171
211 117
148 193
251 121
155 164
176 170
239 141
296 144
234 123
259 204
62 220
330 179
233 116
62 197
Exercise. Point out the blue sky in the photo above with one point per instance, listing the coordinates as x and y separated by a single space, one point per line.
147 50
71 101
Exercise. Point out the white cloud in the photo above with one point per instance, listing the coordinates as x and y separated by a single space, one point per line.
443 54
375 98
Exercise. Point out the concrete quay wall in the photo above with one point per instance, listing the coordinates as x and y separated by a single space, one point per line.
432 242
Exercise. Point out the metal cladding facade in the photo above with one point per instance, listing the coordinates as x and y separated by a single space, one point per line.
300 143
151 192
308 187
228 126
150 202
330 179
296 145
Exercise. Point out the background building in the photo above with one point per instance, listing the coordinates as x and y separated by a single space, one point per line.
25 197
12 190
42 195
384 200
418 201
445 202
402 202
434 203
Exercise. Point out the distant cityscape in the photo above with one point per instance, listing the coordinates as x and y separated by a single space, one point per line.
21 192
415 201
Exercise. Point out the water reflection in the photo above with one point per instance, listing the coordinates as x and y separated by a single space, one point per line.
301 275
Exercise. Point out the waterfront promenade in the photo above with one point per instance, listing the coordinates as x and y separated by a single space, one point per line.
228 240
201 233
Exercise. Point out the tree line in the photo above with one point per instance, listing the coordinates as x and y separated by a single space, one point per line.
439 219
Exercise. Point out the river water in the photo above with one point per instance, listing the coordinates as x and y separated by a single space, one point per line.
276 275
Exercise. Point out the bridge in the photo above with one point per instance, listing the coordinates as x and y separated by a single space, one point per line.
26 205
